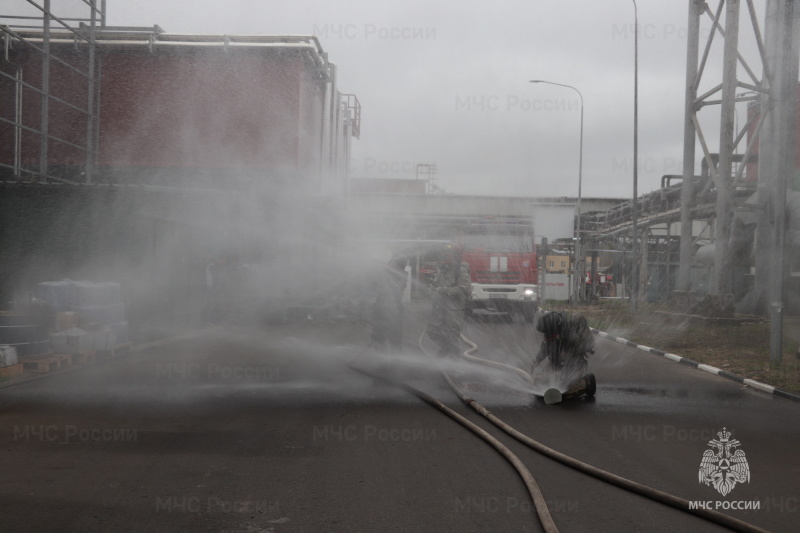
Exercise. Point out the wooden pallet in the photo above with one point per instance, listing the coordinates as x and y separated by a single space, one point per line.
10 371
81 358
41 364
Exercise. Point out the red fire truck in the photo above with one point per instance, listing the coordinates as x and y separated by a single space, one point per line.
502 259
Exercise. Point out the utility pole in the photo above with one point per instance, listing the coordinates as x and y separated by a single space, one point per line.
634 205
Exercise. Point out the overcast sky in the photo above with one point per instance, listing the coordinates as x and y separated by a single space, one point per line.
447 83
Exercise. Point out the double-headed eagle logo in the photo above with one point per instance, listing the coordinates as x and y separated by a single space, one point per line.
724 468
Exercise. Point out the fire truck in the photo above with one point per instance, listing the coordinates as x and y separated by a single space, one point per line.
502 259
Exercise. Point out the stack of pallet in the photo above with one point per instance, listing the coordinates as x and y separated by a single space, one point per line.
73 346
43 363
23 335
9 362
90 319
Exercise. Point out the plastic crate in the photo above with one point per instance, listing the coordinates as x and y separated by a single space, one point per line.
8 356
73 340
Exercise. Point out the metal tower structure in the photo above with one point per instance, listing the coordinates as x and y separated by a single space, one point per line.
775 90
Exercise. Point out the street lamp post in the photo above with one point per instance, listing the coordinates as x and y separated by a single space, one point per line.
634 206
578 268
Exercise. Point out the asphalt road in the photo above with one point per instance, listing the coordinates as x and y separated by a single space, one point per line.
269 430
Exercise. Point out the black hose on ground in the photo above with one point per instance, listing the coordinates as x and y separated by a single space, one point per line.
643 490
533 488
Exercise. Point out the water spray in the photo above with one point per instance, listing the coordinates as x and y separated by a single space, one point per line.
575 388
651 493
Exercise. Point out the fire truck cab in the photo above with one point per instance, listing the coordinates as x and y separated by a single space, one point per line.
502 259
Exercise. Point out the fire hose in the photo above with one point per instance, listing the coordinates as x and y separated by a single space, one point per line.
638 488
537 497
530 482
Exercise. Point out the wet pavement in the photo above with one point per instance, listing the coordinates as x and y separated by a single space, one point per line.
235 429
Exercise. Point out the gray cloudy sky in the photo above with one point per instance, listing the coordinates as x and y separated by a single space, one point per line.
446 82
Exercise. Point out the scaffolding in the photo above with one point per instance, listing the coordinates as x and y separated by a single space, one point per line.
15 29
67 67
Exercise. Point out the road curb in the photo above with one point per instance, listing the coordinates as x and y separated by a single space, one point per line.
769 389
